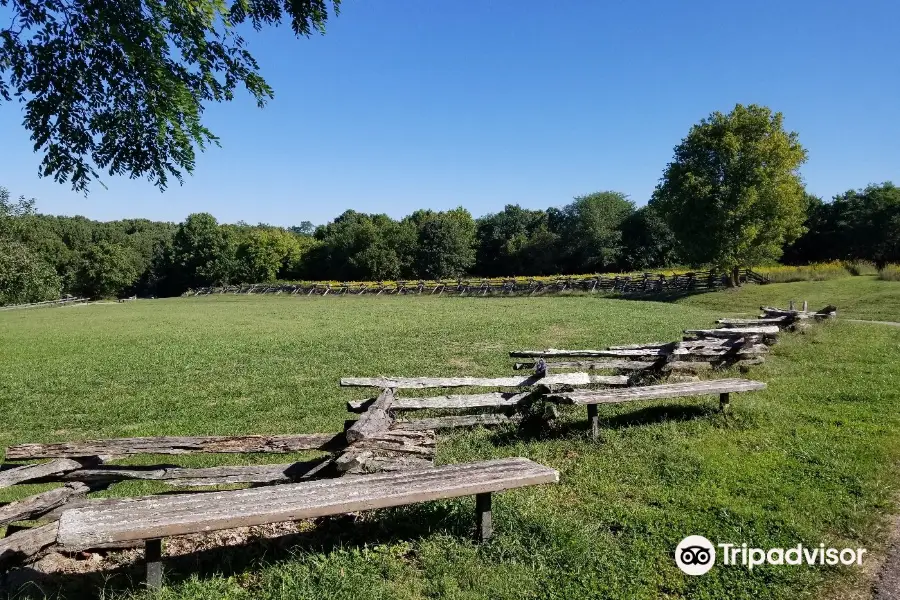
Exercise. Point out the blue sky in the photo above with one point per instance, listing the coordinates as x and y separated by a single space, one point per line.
409 104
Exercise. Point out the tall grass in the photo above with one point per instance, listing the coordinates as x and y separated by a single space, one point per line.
814 272
890 273
861 267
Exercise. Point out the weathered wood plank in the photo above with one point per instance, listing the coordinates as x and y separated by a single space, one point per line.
378 464
669 390
404 442
352 459
641 346
40 504
162 516
179 445
377 418
769 312
80 502
686 366
552 352
22 545
208 476
458 401
454 421
591 365
355 462
736 351
29 472
735 332
429 382
753 322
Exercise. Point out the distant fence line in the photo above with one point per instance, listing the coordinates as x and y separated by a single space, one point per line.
648 283
60 302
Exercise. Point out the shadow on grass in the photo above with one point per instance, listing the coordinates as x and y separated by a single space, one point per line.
536 430
664 296
327 534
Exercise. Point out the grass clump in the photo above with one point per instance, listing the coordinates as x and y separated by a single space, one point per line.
890 273
860 267
812 272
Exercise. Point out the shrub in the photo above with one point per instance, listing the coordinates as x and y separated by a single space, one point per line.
890 273
860 267
813 272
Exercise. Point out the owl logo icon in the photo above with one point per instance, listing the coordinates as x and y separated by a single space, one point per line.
695 555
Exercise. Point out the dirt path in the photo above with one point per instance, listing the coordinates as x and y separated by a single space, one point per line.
887 584
891 323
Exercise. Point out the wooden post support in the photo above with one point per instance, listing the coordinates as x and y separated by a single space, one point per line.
593 421
483 517
723 401
153 558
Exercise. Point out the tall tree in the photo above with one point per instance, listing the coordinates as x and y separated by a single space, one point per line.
357 246
446 243
502 238
108 270
647 241
267 253
121 86
201 252
591 231
733 194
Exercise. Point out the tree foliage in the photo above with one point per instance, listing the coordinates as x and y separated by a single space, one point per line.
266 254
733 194
445 243
41 255
108 270
591 230
121 86
201 251
856 225
24 277
505 241
647 241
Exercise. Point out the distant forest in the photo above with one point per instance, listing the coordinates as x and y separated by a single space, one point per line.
42 256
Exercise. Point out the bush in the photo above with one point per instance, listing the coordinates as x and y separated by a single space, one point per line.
890 273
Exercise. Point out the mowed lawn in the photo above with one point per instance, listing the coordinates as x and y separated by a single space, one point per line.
811 459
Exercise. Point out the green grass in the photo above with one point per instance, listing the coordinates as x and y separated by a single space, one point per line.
864 297
811 459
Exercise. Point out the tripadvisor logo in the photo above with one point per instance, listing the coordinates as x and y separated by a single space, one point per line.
696 555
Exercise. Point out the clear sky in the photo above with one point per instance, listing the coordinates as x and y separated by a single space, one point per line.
409 104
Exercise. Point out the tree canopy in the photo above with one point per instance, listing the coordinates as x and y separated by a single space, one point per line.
856 225
733 195
121 86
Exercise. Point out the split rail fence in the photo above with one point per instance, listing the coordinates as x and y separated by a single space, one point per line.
383 440
648 283
47 303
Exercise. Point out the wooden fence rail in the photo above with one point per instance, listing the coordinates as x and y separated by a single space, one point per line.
46 303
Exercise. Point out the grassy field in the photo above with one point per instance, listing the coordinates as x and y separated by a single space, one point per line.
811 459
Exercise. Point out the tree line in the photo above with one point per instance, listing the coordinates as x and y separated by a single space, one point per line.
42 256
731 196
